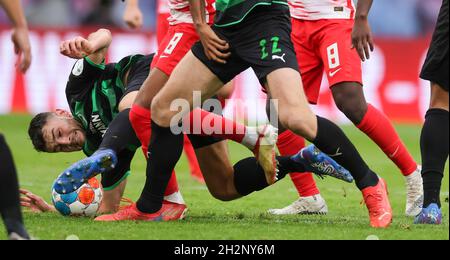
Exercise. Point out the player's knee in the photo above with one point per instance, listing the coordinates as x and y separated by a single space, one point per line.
351 103
225 191
354 111
160 114
223 195
303 125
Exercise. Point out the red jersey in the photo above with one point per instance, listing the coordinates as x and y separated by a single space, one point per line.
180 11
322 9
163 7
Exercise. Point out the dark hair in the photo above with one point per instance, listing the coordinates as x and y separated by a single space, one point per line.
35 131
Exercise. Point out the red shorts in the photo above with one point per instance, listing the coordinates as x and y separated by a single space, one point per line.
325 45
178 41
162 27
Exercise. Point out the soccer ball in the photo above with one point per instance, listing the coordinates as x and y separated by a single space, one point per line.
83 202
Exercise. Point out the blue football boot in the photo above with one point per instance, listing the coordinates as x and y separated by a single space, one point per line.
80 172
321 164
431 215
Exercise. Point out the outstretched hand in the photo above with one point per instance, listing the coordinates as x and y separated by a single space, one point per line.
33 202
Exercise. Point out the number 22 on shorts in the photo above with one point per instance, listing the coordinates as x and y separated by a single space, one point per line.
275 48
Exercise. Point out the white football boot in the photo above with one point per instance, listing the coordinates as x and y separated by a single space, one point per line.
16 237
304 206
414 193
265 151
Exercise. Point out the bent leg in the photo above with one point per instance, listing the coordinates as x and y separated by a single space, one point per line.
295 114
189 76
349 98
289 144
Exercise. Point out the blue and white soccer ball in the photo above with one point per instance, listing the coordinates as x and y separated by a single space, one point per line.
83 202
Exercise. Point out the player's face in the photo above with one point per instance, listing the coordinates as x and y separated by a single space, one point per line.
62 133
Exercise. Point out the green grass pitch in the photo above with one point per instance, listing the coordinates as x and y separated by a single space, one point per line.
241 219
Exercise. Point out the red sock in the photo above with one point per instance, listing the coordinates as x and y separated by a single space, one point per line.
223 102
207 123
172 187
141 122
140 119
378 127
192 158
290 144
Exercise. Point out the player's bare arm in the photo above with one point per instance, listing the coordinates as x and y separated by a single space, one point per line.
34 203
362 38
94 47
215 48
20 33
133 16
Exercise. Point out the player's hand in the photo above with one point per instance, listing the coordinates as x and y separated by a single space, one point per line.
76 48
22 48
34 203
216 49
362 39
133 17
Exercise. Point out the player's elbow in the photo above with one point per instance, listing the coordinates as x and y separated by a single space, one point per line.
105 32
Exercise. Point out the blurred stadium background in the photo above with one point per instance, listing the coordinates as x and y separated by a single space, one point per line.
402 30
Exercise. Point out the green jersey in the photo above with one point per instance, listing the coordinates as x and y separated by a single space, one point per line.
94 92
232 12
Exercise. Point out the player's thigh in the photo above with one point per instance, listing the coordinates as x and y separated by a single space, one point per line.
227 91
291 103
189 76
267 47
217 171
439 97
152 85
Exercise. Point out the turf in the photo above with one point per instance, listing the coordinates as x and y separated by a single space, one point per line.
241 219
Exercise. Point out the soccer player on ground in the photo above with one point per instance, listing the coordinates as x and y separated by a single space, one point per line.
96 122
99 97
224 181
257 35
322 37
9 185
434 139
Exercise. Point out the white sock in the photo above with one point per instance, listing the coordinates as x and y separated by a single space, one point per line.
175 197
250 138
